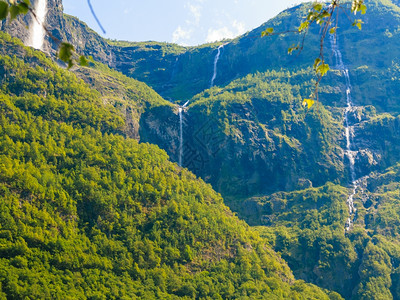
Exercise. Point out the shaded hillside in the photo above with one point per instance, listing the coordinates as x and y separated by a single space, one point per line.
257 127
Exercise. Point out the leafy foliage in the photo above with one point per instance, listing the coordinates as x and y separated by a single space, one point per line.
65 54
14 9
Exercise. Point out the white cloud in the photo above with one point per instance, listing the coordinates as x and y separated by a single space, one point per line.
218 34
237 28
195 11
181 35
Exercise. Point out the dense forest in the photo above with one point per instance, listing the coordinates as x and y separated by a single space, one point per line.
87 212
95 206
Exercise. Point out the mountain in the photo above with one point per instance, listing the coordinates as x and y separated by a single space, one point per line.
87 212
256 125
283 168
273 161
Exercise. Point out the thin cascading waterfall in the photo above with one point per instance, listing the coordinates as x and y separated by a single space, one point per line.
349 130
37 31
175 67
180 111
215 65
180 136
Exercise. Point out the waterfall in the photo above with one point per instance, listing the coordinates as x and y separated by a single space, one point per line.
349 131
174 68
180 137
180 110
37 31
215 65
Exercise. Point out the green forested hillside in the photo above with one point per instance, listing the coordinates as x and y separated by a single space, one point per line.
275 162
88 213
306 227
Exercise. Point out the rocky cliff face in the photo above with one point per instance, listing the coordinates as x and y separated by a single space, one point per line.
85 40
54 23
63 28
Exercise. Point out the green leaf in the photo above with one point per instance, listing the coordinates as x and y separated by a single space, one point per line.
27 2
358 5
308 103
318 6
363 9
325 14
304 26
83 61
14 11
65 53
358 23
317 62
3 10
333 30
312 16
267 31
294 48
323 69
23 8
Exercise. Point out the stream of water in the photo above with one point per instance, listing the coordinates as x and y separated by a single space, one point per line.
180 136
216 58
180 110
37 32
349 131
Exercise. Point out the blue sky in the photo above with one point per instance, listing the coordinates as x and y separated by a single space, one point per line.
186 22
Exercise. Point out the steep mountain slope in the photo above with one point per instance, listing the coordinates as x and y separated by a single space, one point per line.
87 213
170 70
131 97
306 226
257 127
249 137
248 115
